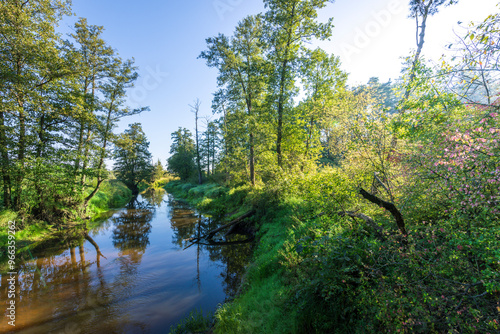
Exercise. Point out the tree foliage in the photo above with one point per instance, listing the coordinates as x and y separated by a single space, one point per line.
61 100
183 153
133 163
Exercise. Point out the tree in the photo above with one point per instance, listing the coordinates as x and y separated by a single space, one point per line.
210 139
183 152
94 61
241 65
121 76
132 158
288 25
29 63
195 109
158 171
383 93
473 72
420 10
322 80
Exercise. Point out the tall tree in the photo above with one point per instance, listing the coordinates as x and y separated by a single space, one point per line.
121 77
322 79
29 61
288 25
94 59
241 64
132 158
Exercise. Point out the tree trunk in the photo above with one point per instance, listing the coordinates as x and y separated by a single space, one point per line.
420 45
196 109
20 158
78 153
281 98
279 137
107 131
252 160
5 163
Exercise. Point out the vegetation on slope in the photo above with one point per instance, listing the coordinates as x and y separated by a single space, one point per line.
315 271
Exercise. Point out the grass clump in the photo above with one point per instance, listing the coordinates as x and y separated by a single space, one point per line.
195 322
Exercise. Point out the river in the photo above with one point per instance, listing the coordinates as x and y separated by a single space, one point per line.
143 280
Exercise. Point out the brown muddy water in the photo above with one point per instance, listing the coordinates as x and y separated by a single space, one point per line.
144 281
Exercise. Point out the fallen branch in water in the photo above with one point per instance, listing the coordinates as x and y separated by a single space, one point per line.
89 239
211 234
238 220
219 243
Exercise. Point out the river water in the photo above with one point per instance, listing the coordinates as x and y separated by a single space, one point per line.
143 280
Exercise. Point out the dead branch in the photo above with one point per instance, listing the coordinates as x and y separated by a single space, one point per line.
368 220
238 220
388 206
211 234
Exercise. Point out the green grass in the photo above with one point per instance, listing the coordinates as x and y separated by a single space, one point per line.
195 322
24 237
112 194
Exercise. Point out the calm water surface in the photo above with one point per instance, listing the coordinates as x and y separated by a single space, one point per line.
144 282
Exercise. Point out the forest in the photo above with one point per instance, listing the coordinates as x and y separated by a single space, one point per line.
375 208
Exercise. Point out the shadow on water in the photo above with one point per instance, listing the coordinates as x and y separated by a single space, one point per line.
131 273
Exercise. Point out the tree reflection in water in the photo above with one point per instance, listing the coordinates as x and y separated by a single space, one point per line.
233 252
68 287
154 196
132 228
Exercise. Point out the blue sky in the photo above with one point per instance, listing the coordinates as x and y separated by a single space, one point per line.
166 37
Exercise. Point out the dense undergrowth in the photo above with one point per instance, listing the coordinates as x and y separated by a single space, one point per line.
314 271
112 194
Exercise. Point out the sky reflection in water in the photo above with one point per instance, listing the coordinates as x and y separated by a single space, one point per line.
146 283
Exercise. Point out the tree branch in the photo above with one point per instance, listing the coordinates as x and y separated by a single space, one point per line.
388 206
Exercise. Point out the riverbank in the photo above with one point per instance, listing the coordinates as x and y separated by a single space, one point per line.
316 270
112 194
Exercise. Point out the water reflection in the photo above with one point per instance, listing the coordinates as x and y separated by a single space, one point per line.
123 277
132 228
186 225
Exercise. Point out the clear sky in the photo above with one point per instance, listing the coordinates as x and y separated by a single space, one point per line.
166 36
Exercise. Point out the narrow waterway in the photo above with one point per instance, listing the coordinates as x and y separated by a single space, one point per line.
143 280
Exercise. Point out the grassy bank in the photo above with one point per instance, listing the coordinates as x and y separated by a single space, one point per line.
112 194
314 271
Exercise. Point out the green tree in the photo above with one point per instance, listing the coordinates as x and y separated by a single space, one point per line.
158 171
122 76
183 153
30 61
288 25
132 158
241 64
93 60
322 80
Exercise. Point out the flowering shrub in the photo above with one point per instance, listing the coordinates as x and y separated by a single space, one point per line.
465 165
